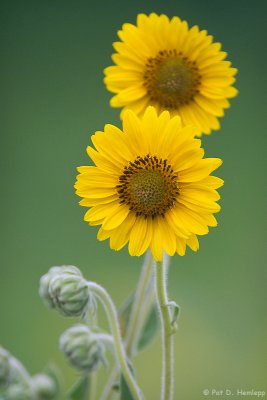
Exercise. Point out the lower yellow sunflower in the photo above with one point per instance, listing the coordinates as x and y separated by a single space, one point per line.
163 63
150 186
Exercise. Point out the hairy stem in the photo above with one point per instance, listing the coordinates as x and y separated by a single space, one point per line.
167 332
111 312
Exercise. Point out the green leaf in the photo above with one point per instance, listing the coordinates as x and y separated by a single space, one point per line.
175 309
124 313
150 329
151 325
80 391
125 393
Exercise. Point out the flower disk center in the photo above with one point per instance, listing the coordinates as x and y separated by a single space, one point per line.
171 79
148 186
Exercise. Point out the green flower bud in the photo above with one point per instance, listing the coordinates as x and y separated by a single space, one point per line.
5 368
65 289
44 286
44 386
82 348
19 392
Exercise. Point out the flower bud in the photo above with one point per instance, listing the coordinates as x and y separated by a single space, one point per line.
44 386
65 289
5 368
44 285
19 391
82 348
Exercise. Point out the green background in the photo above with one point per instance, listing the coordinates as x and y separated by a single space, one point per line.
53 99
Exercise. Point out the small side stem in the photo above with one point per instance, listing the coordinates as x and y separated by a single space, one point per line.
167 333
110 309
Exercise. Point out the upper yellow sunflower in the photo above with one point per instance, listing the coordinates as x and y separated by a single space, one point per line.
163 63
150 185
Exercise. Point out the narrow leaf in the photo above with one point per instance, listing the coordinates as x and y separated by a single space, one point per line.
150 329
151 325
125 393
124 313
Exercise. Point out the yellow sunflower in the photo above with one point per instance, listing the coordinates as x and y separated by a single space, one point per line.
163 63
150 186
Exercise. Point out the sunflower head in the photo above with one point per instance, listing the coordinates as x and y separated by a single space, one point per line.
161 62
150 186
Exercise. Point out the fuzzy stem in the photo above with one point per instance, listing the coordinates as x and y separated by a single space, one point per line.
110 309
167 333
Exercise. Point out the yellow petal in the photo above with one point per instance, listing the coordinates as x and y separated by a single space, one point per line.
199 204
120 236
100 211
200 170
116 217
168 235
176 225
140 236
104 142
132 128
199 192
102 234
156 242
212 182
180 246
131 93
188 159
95 193
95 202
102 162
193 243
189 222
211 106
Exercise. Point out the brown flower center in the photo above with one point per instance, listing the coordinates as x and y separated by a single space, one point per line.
148 186
171 79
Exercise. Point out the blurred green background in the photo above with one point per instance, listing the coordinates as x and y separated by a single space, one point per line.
53 99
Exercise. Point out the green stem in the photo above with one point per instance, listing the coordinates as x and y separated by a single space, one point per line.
92 386
111 312
167 333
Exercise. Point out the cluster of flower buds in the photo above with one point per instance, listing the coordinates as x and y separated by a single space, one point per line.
65 289
84 349
17 384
